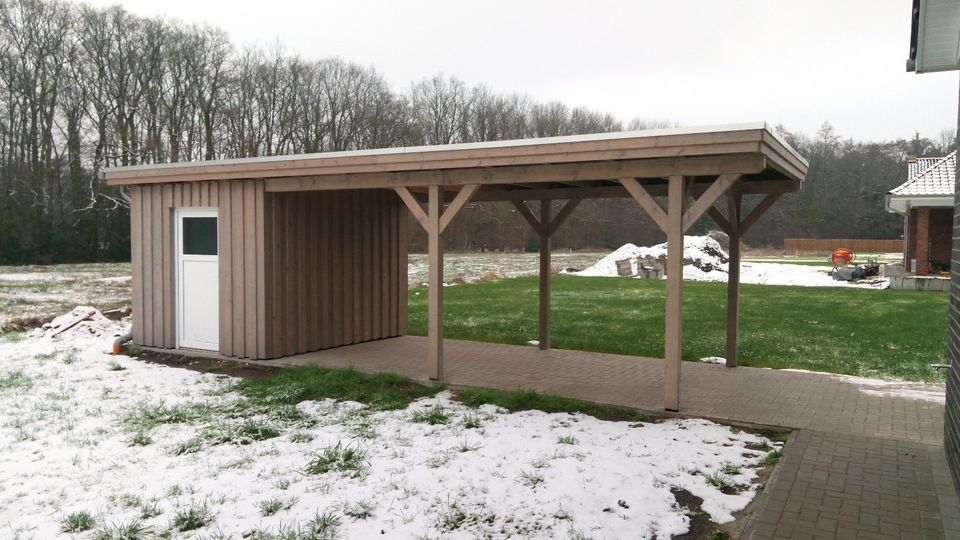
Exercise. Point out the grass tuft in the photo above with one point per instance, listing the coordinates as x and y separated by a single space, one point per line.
77 522
150 510
730 469
434 416
189 446
530 478
719 480
772 458
134 530
359 510
300 437
325 526
451 517
15 378
140 437
270 507
192 517
566 439
145 415
349 460
471 421
243 433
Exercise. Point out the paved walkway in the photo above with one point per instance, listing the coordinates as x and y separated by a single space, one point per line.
867 462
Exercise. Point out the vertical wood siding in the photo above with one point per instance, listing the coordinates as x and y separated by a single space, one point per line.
337 265
298 271
153 261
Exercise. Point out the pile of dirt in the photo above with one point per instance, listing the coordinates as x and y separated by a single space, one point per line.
701 252
82 320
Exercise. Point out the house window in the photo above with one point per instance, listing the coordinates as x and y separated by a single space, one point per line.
199 236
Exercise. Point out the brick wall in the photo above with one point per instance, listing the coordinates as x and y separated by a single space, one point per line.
940 233
921 239
951 438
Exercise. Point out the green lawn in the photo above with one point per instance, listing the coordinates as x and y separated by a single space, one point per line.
856 332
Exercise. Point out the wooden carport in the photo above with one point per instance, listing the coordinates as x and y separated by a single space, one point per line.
675 175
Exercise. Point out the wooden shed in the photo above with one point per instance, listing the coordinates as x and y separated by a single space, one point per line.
274 256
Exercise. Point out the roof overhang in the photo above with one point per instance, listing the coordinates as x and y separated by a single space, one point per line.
934 36
765 160
900 203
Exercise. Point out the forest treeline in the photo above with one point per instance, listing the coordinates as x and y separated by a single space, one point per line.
84 88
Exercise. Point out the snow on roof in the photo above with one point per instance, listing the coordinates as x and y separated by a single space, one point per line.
929 177
919 165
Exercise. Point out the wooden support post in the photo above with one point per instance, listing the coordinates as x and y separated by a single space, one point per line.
434 221
545 222
673 335
733 279
545 226
435 284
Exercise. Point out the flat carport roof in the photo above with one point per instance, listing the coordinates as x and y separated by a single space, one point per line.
692 170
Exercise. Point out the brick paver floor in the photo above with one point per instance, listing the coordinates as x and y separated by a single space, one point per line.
867 461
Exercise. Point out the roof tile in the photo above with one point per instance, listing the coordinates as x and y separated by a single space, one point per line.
929 176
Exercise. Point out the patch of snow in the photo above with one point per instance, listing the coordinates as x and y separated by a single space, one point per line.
64 448
34 276
920 391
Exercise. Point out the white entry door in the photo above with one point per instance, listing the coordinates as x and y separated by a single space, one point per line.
198 279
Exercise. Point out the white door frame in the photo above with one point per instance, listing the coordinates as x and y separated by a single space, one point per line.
179 214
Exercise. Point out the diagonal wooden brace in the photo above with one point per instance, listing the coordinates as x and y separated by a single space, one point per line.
758 212
646 201
706 201
462 198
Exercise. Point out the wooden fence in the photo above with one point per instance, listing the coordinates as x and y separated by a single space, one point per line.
826 245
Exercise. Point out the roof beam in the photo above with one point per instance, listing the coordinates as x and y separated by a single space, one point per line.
619 192
571 172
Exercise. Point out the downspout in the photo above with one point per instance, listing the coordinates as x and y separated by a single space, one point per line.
906 238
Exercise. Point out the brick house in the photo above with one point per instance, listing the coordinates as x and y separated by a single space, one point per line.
926 202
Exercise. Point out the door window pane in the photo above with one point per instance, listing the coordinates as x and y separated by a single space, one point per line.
199 236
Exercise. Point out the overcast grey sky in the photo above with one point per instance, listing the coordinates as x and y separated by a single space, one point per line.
699 62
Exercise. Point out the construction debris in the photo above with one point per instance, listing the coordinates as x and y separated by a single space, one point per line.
82 319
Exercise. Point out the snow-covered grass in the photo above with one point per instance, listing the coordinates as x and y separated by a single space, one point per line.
97 446
33 293
472 267
36 293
